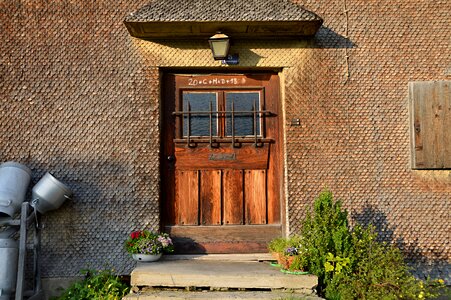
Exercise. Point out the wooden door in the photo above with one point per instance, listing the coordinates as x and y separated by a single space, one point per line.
221 170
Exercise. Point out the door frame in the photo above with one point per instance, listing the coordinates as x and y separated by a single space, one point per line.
281 162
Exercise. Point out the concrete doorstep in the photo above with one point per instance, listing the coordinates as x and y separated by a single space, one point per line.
224 295
216 279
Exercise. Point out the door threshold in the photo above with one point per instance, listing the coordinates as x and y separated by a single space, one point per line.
221 257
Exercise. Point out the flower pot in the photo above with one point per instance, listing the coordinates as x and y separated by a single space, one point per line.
286 261
276 256
287 264
147 257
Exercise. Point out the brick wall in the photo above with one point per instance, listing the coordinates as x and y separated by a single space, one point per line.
80 98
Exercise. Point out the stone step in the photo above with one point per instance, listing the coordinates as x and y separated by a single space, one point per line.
193 274
219 295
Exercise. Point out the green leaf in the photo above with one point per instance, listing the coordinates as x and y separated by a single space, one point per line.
330 257
328 266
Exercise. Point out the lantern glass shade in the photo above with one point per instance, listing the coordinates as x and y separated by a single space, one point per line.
219 45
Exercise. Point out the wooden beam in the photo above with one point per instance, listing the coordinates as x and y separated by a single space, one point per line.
237 29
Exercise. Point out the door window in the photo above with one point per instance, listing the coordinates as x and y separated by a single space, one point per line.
244 107
225 115
200 111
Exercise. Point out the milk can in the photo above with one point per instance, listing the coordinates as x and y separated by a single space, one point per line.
49 194
9 253
14 180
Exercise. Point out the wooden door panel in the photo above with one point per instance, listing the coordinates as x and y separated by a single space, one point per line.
210 197
273 192
221 173
233 197
255 196
187 197
205 157
223 239
274 175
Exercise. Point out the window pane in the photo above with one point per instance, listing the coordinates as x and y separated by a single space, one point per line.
199 124
244 123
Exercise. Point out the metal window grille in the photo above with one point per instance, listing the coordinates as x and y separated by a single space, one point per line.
257 140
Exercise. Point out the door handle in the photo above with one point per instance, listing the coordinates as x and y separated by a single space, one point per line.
170 158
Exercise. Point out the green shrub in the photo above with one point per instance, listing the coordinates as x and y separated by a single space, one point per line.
352 264
324 231
378 272
97 285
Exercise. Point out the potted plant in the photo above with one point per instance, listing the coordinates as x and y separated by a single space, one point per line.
277 248
295 259
290 254
145 245
288 257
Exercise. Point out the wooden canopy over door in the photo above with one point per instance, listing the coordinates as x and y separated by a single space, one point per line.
221 168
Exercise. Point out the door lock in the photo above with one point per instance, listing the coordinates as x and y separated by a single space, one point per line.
170 158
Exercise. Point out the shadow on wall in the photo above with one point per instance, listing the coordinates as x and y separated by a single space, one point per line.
326 38
434 266
89 230
252 52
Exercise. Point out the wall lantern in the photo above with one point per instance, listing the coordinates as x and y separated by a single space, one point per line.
219 45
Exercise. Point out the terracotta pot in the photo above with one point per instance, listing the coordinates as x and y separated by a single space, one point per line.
279 257
286 261
276 256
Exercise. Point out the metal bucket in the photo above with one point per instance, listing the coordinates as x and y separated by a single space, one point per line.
49 194
9 253
14 180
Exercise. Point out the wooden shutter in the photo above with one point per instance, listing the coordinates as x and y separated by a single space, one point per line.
430 113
